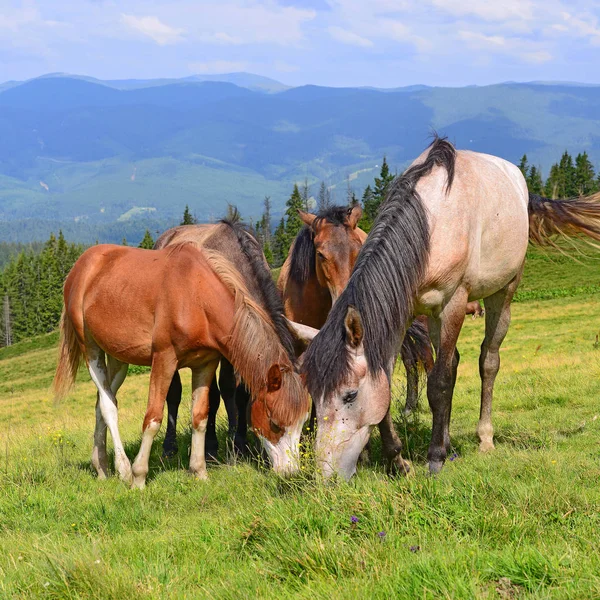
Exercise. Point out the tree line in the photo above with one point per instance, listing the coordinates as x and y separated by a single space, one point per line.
32 276
567 178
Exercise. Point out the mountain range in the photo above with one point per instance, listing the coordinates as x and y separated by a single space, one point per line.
80 150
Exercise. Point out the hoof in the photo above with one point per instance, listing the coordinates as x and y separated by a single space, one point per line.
486 446
399 466
201 475
435 466
125 473
138 483
102 475
170 453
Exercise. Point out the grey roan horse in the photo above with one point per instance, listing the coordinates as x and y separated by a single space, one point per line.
454 228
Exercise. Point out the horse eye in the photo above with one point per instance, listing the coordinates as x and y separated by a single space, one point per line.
350 397
321 256
274 427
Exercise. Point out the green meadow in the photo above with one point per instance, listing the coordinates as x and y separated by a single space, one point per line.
521 522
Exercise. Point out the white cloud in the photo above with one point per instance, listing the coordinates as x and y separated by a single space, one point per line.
587 28
348 37
154 28
499 10
520 49
218 66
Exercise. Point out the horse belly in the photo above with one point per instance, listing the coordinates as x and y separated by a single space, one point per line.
504 238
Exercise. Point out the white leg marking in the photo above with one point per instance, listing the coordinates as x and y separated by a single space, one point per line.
197 458
108 410
140 464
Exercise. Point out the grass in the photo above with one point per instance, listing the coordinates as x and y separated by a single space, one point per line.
522 522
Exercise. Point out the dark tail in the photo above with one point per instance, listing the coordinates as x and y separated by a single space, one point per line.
416 347
549 219
69 357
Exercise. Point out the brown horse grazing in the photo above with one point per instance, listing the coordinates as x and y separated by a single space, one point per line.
454 227
221 238
127 306
314 275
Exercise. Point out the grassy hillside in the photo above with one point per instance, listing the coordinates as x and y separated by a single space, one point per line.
521 522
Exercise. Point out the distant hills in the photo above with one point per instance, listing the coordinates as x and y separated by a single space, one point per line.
81 150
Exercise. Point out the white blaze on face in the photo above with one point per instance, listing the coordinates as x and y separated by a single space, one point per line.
285 454
339 444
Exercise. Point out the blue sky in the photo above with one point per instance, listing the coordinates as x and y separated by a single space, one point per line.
384 43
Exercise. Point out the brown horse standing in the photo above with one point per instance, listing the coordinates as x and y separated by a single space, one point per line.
217 237
314 275
127 306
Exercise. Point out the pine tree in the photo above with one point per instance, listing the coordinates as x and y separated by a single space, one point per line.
279 244
188 219
524 167
324 198
372 198
552 183
293 222
124 242
305 196
585 177
383 181
369 210
568 184
147 241
534 182
6 322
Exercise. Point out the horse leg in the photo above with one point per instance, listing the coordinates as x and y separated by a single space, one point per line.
107 403
170 448
412 387
497 321
201 380
242 401
117 371
164 366
444 331
228 391
214 401
391 447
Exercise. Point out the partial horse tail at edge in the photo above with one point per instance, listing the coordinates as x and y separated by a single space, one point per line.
549 219
69 358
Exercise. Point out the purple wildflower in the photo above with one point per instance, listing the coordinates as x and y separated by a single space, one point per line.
353 520
381 534
454 456
415 549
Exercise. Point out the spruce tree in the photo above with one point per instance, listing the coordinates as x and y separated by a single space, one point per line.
369 209
567 181
324 198
147 241
279 244
293 222
188 219
535 183
524 166
585 177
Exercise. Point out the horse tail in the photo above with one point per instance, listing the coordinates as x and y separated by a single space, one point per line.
69 358
416 349
565 218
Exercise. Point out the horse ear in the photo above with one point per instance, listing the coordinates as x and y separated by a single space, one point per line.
354 215
354 328
274 378
307 218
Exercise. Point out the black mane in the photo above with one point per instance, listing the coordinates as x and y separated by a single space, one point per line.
384 281
302 259
271 299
